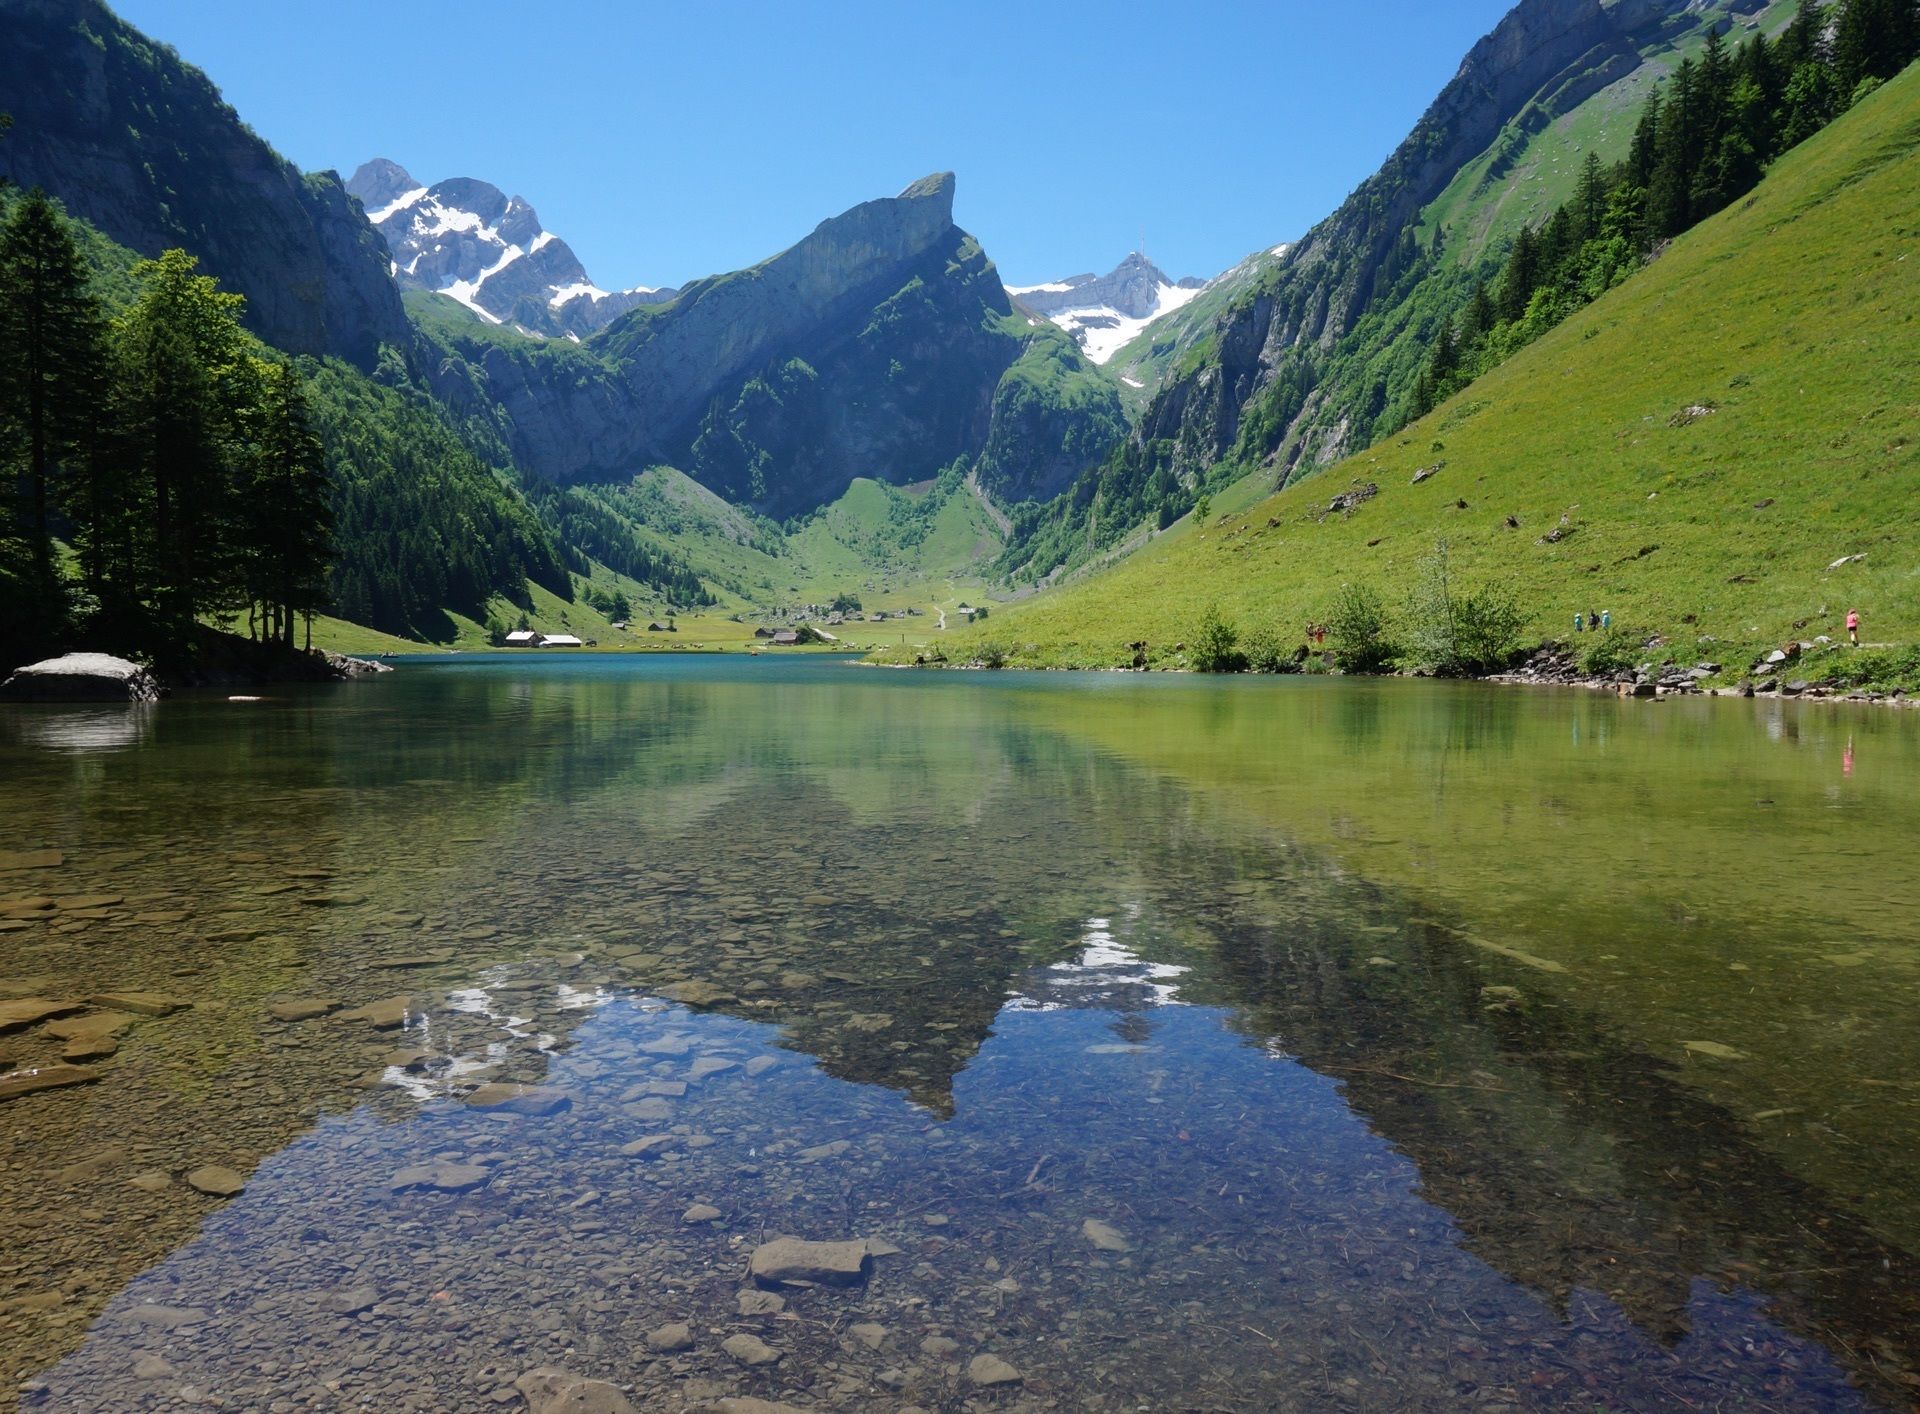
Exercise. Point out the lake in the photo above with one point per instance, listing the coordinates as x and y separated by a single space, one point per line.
1140 1042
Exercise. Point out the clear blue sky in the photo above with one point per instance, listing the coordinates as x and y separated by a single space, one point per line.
669 141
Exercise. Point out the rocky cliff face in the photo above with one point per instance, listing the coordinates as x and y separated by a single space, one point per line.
876 346
141 145
471 241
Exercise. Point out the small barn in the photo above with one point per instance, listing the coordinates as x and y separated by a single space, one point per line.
560 640
522 638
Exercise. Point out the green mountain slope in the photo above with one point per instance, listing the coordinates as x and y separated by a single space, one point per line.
1315 354
1703 445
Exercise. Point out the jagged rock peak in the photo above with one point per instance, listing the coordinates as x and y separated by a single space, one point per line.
380 183
935 187
469 240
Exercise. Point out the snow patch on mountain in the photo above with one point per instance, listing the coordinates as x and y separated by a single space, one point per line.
472 242
1105 312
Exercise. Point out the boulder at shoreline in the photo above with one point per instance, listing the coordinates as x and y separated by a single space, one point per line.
81 677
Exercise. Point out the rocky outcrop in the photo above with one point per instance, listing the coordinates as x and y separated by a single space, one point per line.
140 144
81 677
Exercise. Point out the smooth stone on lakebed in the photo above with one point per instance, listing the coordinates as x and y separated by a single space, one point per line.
216 1181
989 1370
749 1349
140 1003
439 1177
550 1390
31 1011
752 1302
81 677
388 1015
31 859
1105 1236
165 1318
651 1145
790 1261
46 1077
675 1335
700 1213
303 1010
535 1100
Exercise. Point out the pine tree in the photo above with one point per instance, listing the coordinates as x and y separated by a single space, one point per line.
288 517
190 388
51 371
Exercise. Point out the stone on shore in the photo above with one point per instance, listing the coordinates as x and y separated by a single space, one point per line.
790 1261
81 677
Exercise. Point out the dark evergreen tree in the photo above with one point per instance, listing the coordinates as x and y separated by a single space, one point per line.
51 374
287 520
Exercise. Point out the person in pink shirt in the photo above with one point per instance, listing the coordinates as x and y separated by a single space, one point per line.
1853 626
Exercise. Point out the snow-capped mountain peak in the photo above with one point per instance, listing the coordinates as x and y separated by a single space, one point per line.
471 241
1104 312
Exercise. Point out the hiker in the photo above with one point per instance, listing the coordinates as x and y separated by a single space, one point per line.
1579 624
1593 622
1853 626
1606 618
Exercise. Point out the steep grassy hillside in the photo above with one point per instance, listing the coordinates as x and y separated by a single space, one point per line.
1705 442
1297 361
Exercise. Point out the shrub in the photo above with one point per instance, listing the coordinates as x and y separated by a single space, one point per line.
991 655
1616 651
1487 628
1450 635
1216 647
1266 652
1359 627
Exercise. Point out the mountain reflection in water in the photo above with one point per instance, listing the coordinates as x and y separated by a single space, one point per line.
1157 1100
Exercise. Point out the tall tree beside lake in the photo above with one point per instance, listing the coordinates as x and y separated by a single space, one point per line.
52 339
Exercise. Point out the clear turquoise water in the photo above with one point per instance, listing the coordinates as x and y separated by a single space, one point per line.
1359 1011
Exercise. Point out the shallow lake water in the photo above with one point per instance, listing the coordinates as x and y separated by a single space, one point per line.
1180 1044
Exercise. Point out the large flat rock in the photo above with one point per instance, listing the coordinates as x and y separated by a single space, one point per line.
140 1003
549 1390
31 1011
46 1077
520 1099
790 1261
81 677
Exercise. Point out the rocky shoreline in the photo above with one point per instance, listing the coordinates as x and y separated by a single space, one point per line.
104 677
1554 665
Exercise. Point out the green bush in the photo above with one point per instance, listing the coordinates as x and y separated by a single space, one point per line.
1618 650
1216 647
1360 630
1454 635
1266 652
990 655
